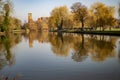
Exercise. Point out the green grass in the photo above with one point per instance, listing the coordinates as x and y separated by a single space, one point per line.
116 29
112 29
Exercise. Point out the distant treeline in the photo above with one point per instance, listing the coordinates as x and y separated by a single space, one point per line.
99 15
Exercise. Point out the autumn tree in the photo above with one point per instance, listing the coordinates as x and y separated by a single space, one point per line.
91 20
80 12
104 15
51 23
58 16
15 24
5 9
1 16
1 21
0 7
119 13
119 10
25 25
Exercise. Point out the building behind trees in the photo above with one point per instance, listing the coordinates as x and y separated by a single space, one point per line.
40 24
31 23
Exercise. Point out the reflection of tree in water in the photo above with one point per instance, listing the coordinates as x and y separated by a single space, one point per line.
6 43
60 36
7 46
3 61
62 43
119 51
6 49
59 45
80 48
40 36
101 49
80 55
6 77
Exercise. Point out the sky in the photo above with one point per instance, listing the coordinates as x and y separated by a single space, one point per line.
42 8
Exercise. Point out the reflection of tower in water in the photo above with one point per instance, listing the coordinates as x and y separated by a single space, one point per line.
30 41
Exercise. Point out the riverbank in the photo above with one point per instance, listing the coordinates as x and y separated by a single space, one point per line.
14 31
18 31
116 33
113 32
2 33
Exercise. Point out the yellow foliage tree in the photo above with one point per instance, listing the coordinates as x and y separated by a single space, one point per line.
104 15
59 16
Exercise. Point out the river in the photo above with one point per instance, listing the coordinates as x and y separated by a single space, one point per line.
59 56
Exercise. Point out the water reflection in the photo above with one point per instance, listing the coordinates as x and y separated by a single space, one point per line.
59 46
78 47
99 48
41 37
7 57
119 50
102 48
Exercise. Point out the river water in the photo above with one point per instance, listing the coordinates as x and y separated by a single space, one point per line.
59 56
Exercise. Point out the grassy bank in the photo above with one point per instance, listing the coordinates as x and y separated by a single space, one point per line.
2 33
18 31
98 32
117 33
13 31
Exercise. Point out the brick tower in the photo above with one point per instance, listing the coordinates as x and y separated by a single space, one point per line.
31 23
30 17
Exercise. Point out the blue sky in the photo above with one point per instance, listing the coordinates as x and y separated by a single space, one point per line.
43 8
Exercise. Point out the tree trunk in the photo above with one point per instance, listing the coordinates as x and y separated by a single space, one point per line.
61 25
82 25
110 28
102 28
